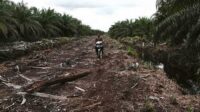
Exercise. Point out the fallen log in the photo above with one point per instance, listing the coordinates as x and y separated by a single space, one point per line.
50 96
41 85
42 95
30 81
44 68
5 82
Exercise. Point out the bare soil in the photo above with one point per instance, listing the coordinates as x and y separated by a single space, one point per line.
111 87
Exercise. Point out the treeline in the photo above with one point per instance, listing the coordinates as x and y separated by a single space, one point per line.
142 27
176 23
18 22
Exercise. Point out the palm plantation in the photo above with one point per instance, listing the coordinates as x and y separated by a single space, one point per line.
175 23
140 27
49 61
178 23
18 22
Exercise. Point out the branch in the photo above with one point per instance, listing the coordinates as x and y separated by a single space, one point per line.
40 85
43 95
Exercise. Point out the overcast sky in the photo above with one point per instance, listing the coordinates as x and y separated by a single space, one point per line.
99 14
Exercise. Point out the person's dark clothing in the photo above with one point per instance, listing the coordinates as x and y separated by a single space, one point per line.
96 48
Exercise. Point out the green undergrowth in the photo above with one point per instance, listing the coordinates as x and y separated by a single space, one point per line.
132 52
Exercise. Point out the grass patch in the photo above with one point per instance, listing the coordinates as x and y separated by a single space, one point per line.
149 107
132 52
190 109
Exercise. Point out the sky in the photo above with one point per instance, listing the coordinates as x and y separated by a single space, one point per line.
99 14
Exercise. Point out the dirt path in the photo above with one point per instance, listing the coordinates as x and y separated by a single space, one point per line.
112 86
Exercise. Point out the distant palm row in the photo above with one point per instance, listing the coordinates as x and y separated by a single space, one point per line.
176 22
142 27
18 22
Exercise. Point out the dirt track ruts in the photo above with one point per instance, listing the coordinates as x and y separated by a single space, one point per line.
111 86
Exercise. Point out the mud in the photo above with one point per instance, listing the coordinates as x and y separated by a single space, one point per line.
111 87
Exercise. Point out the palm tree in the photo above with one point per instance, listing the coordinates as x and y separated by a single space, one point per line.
7 22
180 24
70 27
143 27
18 22
51 22
28 27
121 29
140 27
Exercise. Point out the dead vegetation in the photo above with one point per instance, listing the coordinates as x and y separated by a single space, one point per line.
72 79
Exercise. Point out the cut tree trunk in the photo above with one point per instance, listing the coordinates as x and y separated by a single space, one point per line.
41 85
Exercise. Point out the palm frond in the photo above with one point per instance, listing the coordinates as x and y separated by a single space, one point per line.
175 21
